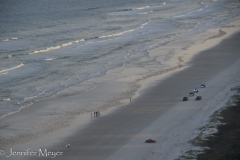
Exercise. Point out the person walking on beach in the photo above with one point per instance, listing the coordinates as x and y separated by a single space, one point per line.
68 145
97 113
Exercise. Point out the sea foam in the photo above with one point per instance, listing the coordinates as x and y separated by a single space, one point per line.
9 69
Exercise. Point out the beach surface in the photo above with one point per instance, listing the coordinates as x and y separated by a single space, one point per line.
157 112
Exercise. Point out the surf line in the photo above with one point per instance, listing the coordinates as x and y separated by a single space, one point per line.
6 70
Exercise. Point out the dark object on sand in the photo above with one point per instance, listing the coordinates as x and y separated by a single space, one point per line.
198 98
67 145
203 86
97 113
195 91
150 141
191 94
185 99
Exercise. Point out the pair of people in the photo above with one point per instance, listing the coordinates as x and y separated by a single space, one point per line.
96 113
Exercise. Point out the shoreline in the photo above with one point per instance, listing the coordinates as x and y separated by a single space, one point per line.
146 86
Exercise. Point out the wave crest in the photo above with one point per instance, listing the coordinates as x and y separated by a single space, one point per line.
56 47
9 69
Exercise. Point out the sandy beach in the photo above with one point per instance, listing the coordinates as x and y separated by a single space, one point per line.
160 114
156 111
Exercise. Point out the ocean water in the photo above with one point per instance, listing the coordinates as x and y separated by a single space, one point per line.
49 46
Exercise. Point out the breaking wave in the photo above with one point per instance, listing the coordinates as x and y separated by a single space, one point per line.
5 71
56 47
141 8
117 34
183 15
